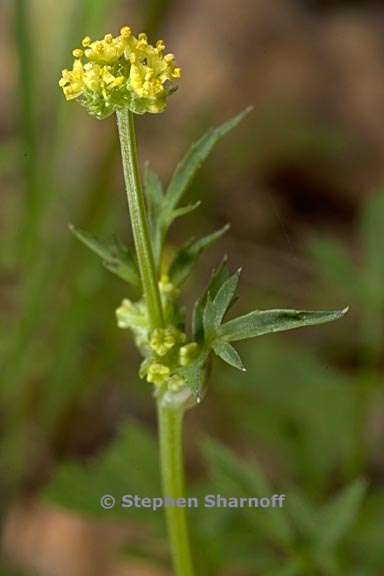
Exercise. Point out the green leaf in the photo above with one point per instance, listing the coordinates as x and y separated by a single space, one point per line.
339 516
233 477
262 322
188 254
209 319
129 465
199 151
228 353
218 277
116 258
216 309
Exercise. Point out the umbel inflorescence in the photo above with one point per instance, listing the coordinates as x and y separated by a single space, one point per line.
121 72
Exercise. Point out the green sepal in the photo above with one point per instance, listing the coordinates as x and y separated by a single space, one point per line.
118 259
228 353
188 254
262 322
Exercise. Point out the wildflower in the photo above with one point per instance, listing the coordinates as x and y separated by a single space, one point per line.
120 72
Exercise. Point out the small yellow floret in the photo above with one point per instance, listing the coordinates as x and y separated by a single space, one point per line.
164 339
157 374
125 31
86 42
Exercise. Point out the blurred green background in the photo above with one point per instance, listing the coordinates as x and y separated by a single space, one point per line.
300 182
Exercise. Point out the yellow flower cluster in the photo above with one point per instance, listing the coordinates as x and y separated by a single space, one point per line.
121 72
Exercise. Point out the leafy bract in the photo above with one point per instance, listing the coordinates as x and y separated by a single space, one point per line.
210 311
262 322
228 353
118 259
215 309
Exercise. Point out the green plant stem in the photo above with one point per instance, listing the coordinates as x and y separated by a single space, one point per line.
139 220
171 461
170 412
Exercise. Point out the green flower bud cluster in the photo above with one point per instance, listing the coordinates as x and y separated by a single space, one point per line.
165 350
169 353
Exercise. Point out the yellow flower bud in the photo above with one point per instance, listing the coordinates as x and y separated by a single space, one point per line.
125 31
